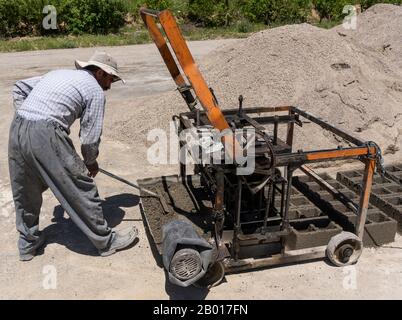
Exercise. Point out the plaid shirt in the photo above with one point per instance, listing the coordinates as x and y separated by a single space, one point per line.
62 96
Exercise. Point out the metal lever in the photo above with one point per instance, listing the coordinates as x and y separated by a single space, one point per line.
161 199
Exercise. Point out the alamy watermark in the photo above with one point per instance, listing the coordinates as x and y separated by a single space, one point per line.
50 21
49 281
350 279
204 145
350 21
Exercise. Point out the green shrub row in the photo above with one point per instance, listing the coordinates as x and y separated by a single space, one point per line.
333 10
225 12
215 13
24 17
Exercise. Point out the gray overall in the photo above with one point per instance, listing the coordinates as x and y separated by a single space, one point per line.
41 155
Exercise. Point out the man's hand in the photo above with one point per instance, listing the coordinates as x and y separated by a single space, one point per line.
93 169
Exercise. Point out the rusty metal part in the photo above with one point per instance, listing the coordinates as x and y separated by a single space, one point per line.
233 266
186 61
246 220
190 69
184 89
365 196
219 215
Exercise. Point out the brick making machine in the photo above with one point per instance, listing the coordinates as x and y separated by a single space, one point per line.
224 218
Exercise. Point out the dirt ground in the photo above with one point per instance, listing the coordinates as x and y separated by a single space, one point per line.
134 273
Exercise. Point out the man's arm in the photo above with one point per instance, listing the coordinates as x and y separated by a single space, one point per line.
22 89
91 130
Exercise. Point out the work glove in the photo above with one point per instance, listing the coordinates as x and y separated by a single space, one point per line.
93 169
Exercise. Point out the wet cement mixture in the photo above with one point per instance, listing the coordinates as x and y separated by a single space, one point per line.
186 201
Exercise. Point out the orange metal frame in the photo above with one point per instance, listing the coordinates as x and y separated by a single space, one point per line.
189 67
185 60
207 100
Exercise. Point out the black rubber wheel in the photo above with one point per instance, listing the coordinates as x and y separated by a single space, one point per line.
214 276
344 249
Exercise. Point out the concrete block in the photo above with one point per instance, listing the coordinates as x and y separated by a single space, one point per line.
311 233
380 228
395 171
386 194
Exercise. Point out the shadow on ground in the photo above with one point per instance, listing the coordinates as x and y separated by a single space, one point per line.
64 232
174 292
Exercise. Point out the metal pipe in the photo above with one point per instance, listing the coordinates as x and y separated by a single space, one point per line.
161 199
268 206
276 121
283 196
322 155
128 183
237 227
185 91
182 154
290 132
279 119
197 121
273 194
260 200
365 197
219 200
288 193
232 266
329 127
261 221
149 12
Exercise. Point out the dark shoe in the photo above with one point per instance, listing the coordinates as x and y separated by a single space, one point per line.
119 241
29 256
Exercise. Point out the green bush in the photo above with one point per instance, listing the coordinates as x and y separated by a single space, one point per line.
332 10
21 17
93 16
24 17
214 13
244 26
158 4
277 11
178 7
9 14
368 3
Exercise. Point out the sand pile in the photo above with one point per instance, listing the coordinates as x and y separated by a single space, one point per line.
353 79
378 31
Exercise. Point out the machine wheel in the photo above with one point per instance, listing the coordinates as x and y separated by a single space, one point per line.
213 276
344 249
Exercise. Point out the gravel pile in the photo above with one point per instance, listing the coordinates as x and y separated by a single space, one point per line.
352 79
